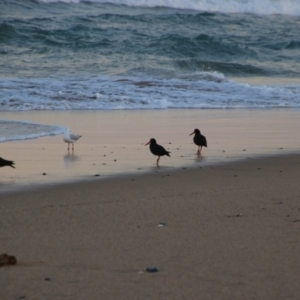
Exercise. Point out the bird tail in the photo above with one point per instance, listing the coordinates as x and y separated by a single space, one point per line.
168 153
12 164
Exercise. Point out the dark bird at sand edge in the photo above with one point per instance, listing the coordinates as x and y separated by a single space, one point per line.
157 150
199 140
4 163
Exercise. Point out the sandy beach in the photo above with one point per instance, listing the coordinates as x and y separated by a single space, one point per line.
229 232
222 227
113 142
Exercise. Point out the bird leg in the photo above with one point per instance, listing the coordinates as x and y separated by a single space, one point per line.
199 150
157 161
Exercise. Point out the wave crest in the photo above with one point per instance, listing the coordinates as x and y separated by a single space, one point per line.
261 7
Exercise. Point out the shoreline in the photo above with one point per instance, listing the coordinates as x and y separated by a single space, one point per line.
37 186
112 143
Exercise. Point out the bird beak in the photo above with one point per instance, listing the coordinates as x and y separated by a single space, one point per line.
192 133
147 143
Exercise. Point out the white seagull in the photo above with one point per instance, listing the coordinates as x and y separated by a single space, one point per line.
70 138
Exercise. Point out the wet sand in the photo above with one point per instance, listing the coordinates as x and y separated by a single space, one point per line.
213 230
112 142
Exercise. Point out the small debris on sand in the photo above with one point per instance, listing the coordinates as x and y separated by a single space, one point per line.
7 260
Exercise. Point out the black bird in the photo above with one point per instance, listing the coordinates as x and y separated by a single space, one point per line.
4 162
199 140
157 150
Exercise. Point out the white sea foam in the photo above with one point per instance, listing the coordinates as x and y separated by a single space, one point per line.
263 7
193 90
23 130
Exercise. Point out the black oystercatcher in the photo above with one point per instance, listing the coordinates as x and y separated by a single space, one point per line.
4 163
199 140
157 149
70 138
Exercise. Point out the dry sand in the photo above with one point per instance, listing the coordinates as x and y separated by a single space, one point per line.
231 231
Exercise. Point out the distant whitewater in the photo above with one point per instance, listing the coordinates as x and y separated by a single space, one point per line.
264 7
129 54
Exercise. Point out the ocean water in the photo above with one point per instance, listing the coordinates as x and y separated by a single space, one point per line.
154 54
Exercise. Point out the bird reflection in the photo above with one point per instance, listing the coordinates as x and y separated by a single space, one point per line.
70 159
199 158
